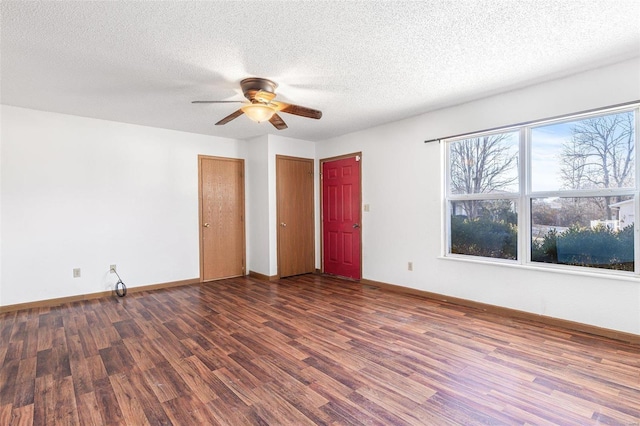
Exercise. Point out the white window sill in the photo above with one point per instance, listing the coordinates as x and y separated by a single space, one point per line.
549 268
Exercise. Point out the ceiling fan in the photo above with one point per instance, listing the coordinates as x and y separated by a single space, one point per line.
261 94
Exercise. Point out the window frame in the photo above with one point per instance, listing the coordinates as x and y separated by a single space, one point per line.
523 198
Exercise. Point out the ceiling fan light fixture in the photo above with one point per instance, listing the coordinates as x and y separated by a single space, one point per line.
258 112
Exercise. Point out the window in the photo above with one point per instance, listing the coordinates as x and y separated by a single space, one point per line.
483 186
561 192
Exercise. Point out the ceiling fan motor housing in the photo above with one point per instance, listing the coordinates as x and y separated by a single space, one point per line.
251 86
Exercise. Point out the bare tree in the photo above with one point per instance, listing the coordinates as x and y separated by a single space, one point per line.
600 154
482 165
572 162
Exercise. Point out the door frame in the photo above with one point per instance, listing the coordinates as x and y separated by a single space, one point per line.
313 219
327 160
200 205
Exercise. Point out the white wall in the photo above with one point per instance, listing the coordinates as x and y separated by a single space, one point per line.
258 215
402 179
1 239
86 193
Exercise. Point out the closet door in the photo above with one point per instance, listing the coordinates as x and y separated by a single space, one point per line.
296 229
222 233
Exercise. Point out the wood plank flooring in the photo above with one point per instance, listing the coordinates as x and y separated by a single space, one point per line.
304 350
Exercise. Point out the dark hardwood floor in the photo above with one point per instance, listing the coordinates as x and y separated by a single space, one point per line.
305 350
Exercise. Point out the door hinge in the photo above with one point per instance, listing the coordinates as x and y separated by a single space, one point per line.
357 158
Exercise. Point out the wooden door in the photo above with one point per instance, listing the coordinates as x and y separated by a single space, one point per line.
341 236
222 233
296 229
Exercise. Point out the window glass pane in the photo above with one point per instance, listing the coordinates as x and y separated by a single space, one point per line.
486 164
485 228
594 232
592 153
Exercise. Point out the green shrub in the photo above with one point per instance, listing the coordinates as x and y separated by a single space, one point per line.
598 247
547 250
484 237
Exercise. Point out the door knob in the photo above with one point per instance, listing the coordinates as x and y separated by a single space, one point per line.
356 225
283 224
206 225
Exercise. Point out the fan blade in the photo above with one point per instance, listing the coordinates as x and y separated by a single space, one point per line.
297 110
278 122
263 96
217 102
230 117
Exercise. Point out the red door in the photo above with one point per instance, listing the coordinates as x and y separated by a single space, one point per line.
341 217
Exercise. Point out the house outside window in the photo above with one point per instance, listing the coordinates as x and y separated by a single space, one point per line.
559 193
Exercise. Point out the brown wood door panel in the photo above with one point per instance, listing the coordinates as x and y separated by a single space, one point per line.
222 233
295 205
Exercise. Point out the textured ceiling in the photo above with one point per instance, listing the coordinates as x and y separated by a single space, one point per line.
361 62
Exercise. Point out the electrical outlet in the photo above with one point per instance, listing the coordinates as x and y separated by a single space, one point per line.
112 268
410 266
76 272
